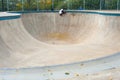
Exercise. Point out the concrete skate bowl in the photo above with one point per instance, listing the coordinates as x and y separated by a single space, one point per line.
46 39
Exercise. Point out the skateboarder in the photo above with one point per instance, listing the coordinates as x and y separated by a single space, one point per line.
61 12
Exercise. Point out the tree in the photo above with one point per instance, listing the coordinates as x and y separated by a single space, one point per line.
45 4
16 5
110 4
30 4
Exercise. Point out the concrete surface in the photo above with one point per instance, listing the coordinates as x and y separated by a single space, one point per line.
6 14
47 39
107 68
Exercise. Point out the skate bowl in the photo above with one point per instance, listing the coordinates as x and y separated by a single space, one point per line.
46 46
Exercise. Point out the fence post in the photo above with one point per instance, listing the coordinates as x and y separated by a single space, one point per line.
22 5
68 5
84 4
100 4
118 4
52 8
2 5
37 5
7 5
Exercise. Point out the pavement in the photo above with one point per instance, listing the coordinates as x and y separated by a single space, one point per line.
48 46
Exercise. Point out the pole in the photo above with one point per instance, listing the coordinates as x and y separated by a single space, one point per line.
22 5
52 8
68 4
2 6
37 5
100 4
84 4
7 5
118 4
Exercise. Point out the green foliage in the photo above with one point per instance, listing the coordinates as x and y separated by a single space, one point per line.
92 4
58 4
30 5
76 4
45 4
110 4
18 5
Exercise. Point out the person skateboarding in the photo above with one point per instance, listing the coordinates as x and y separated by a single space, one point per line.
61 12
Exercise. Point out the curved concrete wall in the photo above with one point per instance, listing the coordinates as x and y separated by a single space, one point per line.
24 42
52 27
77 27
23 38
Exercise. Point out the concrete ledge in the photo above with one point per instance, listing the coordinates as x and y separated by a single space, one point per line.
7 16
101 12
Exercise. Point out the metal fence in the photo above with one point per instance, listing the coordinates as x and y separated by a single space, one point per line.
37 5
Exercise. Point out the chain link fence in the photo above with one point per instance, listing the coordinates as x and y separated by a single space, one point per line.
38 5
